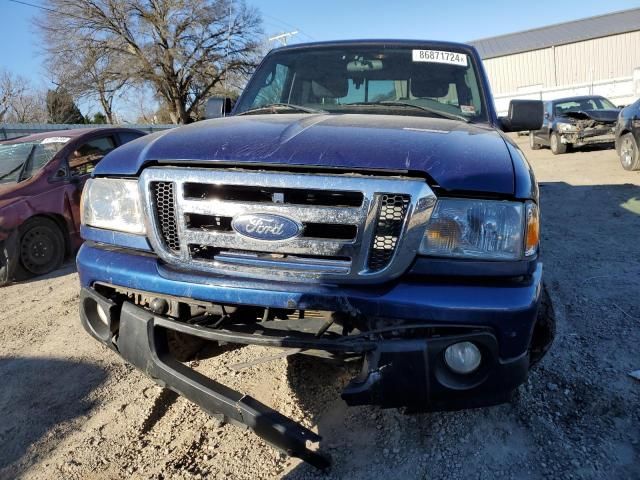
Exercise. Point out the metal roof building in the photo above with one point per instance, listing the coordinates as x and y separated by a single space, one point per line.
591 55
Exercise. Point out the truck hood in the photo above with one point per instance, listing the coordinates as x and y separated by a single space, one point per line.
456 155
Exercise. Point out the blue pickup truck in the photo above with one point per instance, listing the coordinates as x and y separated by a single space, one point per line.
361 201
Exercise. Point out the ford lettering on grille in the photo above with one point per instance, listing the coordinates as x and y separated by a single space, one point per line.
265 226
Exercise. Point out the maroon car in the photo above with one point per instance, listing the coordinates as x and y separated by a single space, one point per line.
41 180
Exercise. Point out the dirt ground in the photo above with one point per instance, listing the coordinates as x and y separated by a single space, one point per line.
71 409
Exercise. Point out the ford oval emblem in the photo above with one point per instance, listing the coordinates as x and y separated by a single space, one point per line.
265 226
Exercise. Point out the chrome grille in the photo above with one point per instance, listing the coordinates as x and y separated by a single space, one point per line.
355 228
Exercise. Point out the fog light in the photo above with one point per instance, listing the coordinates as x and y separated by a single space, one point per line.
102 315
463 357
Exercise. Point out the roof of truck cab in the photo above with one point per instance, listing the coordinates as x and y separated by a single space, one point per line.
375 42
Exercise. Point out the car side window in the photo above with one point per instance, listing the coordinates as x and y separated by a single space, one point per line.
272 89
84 159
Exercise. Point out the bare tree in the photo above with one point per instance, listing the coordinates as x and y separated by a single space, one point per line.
11 86
183 48
92 73
19 101
30 107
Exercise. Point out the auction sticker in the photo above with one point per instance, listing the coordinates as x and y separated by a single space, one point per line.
55 140
439 56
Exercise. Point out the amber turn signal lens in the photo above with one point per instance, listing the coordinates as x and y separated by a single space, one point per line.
533 230
444 234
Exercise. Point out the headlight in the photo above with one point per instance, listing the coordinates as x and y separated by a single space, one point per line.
112 204
482 229
566 127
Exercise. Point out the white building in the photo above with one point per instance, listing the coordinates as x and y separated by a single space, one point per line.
597 55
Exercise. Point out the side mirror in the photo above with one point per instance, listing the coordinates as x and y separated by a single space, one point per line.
523 115
217 107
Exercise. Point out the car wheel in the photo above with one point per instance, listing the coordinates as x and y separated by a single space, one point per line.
557 147
42 246
629 155
532 142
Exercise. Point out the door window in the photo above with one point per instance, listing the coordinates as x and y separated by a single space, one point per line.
85 158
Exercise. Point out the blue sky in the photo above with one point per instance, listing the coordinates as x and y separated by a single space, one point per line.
341 19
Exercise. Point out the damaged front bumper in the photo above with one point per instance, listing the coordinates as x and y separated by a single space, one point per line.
589 136
407 370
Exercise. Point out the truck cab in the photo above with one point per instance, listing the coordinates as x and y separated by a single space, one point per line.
361 202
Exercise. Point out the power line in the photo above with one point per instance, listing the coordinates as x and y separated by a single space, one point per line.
288 25
282 22
34 5
47 9
283 37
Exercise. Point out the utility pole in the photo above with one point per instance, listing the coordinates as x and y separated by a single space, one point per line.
283 37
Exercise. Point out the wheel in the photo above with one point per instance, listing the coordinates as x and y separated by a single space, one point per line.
544 330
42 246
532 142
557 147
629 155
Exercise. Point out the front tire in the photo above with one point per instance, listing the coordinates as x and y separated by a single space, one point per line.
42 246
532 142
629 155
557 147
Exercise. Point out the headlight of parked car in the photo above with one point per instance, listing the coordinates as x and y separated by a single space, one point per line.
113 204
482 230
566 127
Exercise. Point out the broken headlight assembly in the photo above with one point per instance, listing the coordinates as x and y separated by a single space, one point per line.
113 204
482 230
566 127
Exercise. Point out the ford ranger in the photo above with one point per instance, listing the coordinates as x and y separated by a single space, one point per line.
361 201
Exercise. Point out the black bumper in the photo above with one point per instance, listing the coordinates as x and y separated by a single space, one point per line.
396 373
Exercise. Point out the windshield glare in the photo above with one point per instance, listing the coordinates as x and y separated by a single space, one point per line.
19 161
578 105
341 80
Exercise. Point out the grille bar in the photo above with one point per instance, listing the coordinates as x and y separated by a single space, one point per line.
303 214
369 240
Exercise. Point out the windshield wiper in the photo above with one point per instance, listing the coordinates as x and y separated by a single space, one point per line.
275 107
440 113
20 168
11 172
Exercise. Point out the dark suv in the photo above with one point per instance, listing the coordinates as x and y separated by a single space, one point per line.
628 136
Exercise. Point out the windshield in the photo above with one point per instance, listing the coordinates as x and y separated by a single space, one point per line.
20 161
582 104
356 79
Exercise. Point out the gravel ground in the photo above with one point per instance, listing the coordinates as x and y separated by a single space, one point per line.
70 408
